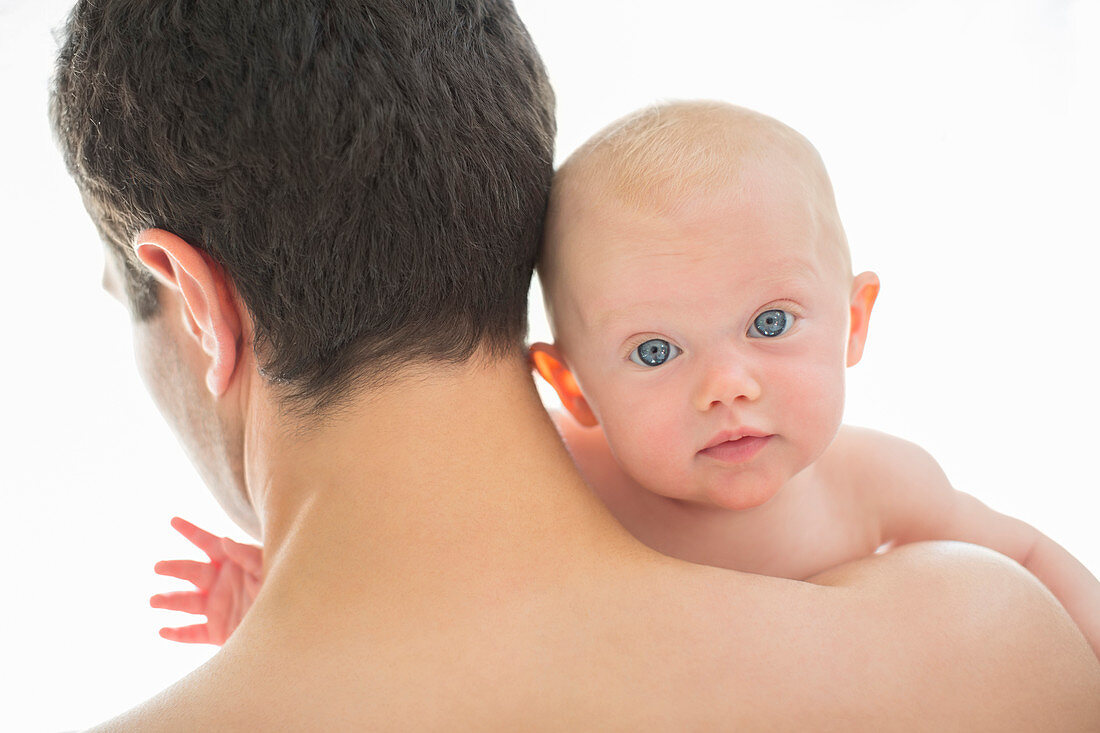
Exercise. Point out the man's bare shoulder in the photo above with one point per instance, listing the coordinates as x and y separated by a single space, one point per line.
957 623
931 636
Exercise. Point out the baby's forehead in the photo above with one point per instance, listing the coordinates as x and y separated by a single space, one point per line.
665 167
714 246
664 197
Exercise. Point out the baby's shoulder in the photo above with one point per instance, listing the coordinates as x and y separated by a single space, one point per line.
858 437
862 458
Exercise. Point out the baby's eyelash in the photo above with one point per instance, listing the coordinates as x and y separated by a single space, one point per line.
639 340
634 343
785 305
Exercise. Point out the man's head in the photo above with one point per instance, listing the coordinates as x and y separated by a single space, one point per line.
321 193
699 286
370 176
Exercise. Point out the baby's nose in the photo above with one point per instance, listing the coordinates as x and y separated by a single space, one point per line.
725 383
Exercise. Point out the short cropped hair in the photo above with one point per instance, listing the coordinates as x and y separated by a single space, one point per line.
371 174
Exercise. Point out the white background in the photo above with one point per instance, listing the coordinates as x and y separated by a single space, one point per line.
961 139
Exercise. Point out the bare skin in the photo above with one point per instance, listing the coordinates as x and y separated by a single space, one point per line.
434 561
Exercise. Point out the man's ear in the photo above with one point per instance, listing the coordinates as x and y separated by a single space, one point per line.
548 362
864 291
209 311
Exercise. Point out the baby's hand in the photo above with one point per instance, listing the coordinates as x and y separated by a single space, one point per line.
226 586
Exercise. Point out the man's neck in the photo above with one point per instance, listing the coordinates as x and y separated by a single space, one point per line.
446 478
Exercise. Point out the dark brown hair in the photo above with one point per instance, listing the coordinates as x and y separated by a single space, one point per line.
372 175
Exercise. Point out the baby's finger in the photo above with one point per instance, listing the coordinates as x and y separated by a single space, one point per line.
197 634
200 573
186 601
208 543
249 557
252 585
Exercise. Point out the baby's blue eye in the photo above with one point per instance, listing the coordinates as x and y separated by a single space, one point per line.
772 323
654 352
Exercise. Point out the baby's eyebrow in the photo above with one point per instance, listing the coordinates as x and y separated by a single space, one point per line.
611 317
794 273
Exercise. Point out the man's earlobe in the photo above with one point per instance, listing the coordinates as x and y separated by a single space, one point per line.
548 362
209 311
865 287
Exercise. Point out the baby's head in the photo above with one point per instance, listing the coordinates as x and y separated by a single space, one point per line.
699 289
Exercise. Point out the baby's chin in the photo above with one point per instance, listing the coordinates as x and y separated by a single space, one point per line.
740 496
739 493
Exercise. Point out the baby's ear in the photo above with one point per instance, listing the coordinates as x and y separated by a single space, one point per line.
547 361
864 292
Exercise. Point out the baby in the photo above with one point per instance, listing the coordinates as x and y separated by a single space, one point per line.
700 292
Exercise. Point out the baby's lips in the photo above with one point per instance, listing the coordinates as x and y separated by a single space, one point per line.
736 434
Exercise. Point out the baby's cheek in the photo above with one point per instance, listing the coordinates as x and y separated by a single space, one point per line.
649 450
814 406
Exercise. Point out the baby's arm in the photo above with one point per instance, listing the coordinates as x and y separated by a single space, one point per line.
916 502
